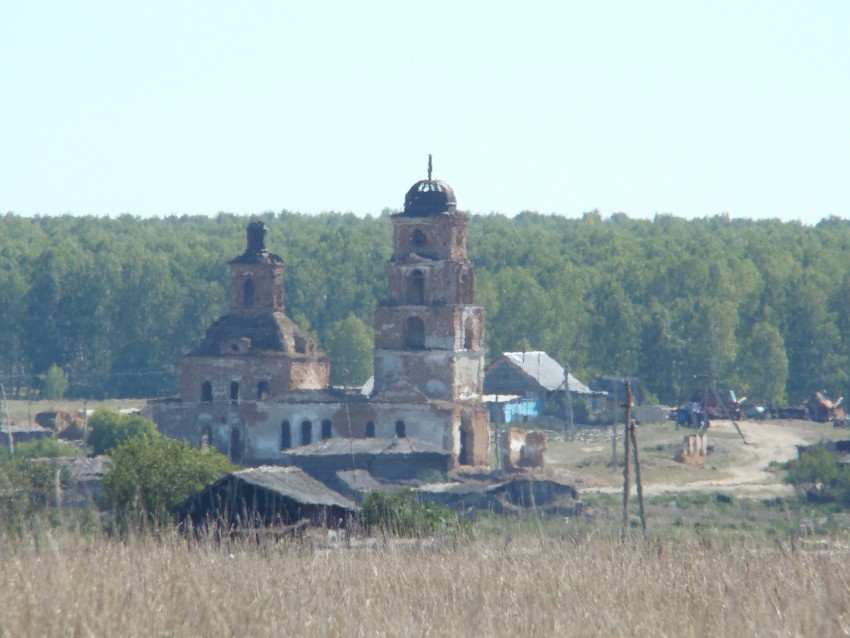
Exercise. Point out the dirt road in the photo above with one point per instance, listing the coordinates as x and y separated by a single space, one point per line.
765 442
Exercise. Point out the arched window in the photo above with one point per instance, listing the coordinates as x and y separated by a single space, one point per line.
285 436
327 429
306 433
418 239
249 293
235 445
262 390
370 430
468 334
206 392
416 287
400 429
234 392
415 334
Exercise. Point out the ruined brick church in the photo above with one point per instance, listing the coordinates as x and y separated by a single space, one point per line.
257 388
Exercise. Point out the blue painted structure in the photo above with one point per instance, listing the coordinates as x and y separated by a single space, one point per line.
522 410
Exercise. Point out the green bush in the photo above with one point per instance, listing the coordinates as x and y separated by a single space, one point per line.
404 514
815 465
44 448
819 472
148 477
26 488
109 429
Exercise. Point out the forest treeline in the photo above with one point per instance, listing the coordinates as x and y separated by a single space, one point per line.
759 306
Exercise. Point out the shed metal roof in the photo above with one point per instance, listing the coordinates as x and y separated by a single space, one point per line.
545 370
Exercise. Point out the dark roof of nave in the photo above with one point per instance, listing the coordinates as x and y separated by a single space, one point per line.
268 332
371 445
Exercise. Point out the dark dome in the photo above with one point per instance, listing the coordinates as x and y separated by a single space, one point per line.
429 197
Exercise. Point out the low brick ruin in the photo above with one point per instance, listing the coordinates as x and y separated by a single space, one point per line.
693 450
520 448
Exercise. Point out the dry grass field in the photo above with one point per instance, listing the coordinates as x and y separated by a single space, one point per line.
745 573
527 585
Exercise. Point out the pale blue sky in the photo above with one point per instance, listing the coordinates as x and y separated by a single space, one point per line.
687 108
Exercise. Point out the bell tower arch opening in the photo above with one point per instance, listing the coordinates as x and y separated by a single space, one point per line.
418 239
416 288
248 293
414 334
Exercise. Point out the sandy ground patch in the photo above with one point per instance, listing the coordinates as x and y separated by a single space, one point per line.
749 475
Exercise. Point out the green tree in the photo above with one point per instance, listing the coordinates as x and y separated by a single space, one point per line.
109 429
816 465
812 340
349 345
55 383
675 298
147 478
615 329
763 365
819 473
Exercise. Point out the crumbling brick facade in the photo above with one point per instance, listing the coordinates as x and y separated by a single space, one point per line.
520 448
256 386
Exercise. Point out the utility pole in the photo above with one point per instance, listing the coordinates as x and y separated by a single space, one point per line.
568 403
85 425
626 442
614 444
496 439
7 419
638 482
631 442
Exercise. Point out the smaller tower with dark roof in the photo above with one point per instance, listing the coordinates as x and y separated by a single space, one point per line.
254 352
256 276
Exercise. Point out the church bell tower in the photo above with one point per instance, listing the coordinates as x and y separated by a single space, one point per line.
428 332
